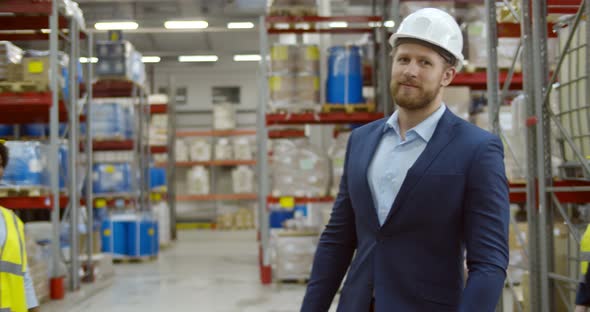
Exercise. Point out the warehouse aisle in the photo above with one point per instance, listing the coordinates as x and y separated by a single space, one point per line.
204 271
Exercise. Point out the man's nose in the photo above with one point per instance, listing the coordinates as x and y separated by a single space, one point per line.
411 70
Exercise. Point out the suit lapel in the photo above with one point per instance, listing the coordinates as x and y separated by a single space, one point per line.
367 150
441 137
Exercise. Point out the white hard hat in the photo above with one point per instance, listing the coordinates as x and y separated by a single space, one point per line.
433 26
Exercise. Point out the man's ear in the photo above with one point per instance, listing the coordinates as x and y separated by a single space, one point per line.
448 76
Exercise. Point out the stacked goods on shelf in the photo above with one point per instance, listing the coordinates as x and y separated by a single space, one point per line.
181 150
224 116
113 119
112 178
27 166
234 218
119 59
199 150
197 180
223 149
294 82
243 179
337 153
158 130
458 100
112 156
10 58
293 8
158 179
130 235
299 168
292 254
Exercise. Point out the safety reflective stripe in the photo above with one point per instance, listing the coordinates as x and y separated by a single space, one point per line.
11 268
20 239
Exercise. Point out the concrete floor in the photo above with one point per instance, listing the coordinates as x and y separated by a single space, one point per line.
209 271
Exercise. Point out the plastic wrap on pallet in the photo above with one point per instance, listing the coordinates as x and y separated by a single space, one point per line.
111 178
38 264
181 150
10 55
162 214
224 116
119 59
243 179
113 119
27 165
299 169
73 10
337 153
197 181
292 256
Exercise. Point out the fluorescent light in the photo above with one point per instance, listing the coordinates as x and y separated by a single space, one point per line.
85 60
198 58
240 25
374 24
186 24
338 25
45 30
150 59
116 25
389 24
247 57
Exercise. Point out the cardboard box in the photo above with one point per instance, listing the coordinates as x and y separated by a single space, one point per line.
36 69
14 72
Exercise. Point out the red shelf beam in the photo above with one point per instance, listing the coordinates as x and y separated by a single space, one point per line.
321 118
33 202
320 19
302 200
512 30
478 80
158 108
518 192
26 6
563 6
36 105
124 145
286 134
276 31
114 88
156 149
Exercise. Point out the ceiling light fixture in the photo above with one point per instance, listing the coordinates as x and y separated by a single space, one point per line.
186 24
247 58
84 60
389 24
240 25
338 25
150 59
198 58
123 25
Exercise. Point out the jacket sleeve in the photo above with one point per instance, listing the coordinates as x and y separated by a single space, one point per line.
486 219
335 249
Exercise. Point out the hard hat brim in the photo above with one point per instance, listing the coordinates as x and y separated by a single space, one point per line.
459 56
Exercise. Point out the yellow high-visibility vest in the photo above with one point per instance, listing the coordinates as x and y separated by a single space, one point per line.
13 264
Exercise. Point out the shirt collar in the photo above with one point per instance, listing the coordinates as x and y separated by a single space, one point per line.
425 129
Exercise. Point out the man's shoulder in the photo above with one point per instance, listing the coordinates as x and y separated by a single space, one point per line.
371 126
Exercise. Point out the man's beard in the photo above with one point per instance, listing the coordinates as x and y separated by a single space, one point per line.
412 102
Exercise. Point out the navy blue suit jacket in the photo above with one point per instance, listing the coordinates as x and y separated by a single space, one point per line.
454 198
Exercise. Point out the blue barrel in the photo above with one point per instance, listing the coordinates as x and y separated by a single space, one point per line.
6 130
157 177
142 238
277 217
345 76
36 129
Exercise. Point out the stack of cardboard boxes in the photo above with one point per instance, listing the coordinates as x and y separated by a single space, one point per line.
119 59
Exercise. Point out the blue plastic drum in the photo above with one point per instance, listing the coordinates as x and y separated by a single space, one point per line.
345 76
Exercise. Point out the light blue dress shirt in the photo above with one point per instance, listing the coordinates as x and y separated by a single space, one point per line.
395 156
29 288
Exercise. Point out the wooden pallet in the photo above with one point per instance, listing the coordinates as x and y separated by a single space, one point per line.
311 109
22 86
24 191
134 259
348 108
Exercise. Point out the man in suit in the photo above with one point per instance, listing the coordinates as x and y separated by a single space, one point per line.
419 189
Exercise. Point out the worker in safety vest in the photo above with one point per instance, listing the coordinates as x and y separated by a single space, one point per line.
17 293
583 295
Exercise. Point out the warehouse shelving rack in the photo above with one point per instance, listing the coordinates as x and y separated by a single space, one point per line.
213 165
21 25
268 27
